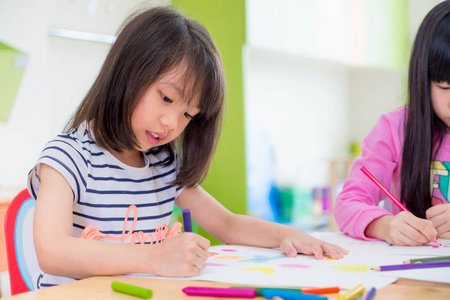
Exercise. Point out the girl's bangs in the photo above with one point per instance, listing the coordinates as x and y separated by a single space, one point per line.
439 56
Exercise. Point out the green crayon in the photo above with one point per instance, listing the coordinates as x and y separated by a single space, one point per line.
131 290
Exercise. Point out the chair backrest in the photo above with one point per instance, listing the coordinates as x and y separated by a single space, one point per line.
22 262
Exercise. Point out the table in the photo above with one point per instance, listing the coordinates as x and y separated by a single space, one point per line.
99 287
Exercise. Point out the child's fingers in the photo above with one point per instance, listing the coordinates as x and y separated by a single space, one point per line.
200 263
445 235
407 229
438 210
204 243
334 251
317 251
287 247
424 230
402 239
439 215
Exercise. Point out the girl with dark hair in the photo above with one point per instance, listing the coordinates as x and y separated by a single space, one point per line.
140 142
408 150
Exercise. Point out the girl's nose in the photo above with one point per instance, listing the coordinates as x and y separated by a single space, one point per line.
169 121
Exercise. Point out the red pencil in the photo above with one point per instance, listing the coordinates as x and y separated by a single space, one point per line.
392 197
327 290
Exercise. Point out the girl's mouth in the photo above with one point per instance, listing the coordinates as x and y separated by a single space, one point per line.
154 135
153 138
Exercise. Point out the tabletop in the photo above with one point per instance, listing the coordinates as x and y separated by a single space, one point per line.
99 287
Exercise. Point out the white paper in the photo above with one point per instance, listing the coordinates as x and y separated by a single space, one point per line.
269 267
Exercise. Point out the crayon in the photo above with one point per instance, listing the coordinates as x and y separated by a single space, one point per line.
187 220
371 293
326 290
289 295
219 292
259 290
131 290
352 294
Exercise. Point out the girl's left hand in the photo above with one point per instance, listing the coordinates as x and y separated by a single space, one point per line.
439 215
306 244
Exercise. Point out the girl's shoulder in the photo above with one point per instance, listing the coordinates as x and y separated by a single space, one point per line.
392 121
396 116
79 143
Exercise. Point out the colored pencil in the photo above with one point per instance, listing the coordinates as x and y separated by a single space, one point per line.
187 220
425 265
352 294
288 295
219 292
131 290
425 259
389 194
371 293
385 190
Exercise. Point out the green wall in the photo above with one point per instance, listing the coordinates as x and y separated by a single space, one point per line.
387 34
12 66
225 20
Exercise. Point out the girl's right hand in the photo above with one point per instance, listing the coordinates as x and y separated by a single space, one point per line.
184 255
405 229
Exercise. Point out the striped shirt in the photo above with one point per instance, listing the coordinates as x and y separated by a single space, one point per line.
103 188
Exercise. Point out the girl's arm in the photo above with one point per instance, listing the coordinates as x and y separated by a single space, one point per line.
61 254
245 230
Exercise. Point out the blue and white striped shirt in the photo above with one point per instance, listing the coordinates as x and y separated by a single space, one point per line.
103 187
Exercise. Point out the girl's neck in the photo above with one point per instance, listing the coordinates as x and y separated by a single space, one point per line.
132 158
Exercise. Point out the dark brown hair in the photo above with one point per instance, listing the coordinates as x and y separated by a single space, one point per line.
424 131
150 44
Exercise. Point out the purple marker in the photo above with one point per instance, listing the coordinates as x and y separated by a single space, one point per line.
219 292
187 220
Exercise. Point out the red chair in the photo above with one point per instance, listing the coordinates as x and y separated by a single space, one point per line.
22 261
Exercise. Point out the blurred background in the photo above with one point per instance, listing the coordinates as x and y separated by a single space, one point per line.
306 81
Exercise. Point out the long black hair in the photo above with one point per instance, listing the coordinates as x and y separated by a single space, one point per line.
424 131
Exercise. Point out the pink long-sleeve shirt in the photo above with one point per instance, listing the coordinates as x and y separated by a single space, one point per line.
358 204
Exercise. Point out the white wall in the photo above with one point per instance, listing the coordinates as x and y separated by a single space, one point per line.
371 93
301 105
58 74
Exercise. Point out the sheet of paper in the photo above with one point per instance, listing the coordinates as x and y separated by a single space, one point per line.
269 267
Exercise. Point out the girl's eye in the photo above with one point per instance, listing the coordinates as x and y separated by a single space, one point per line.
166 99
443 85
188 116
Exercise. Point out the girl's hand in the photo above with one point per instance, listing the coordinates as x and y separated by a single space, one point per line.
439 215
405 229
184 255
306 244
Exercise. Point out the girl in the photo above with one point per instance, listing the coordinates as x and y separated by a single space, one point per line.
409 151
115 174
